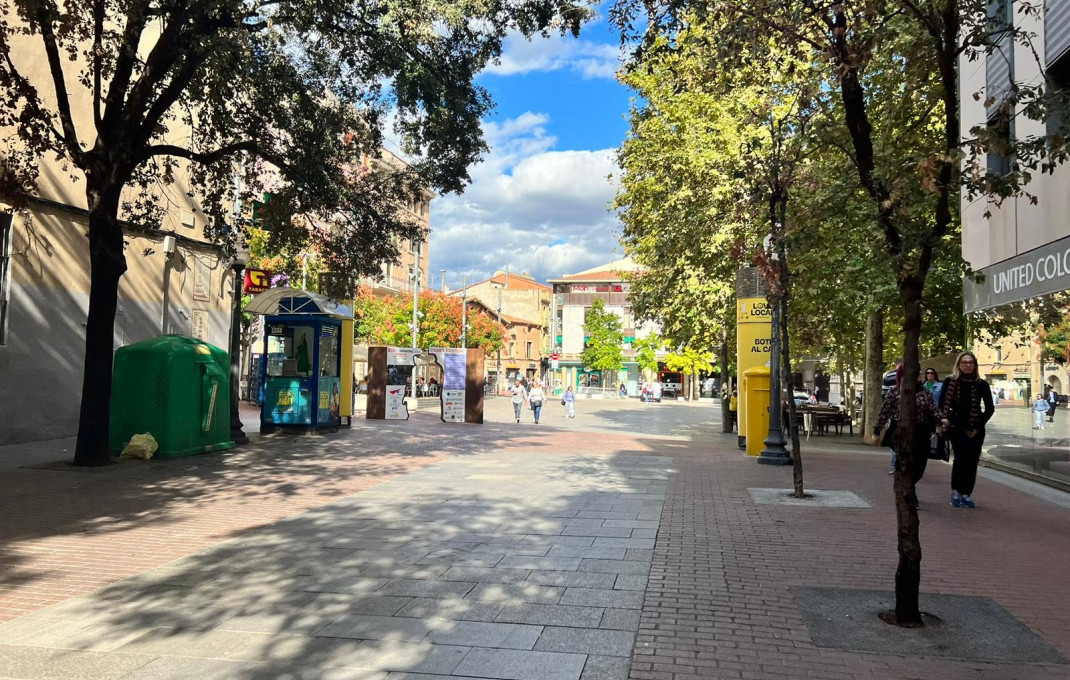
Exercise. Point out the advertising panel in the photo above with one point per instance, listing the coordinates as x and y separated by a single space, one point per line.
753 343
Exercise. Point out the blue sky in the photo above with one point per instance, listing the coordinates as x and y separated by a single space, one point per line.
539 200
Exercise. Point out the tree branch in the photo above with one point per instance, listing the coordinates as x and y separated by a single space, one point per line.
204 158
124 67
43 17
98 46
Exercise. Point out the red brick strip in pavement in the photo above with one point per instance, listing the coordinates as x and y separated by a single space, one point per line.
719 604
65 532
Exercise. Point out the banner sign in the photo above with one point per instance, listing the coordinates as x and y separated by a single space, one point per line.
256 281
401 356
453 406
1038 272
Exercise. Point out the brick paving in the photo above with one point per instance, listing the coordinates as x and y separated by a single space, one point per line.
718 602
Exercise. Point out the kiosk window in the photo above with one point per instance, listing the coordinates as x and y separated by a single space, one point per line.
290 351
329 351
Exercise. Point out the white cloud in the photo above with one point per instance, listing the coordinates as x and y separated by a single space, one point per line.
556 53
539 210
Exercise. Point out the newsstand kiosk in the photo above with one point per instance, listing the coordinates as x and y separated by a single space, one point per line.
305 352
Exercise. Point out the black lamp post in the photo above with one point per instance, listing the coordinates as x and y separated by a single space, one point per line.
237 266
775 451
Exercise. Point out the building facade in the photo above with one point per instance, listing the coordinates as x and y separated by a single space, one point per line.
523 306
573 296
1021 247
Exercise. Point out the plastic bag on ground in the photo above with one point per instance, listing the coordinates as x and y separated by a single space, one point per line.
140 446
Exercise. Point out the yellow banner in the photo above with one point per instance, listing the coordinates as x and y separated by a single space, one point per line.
753 344
753 310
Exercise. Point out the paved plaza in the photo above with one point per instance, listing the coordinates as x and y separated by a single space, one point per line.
635 541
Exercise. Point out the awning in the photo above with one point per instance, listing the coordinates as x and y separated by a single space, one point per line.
286 300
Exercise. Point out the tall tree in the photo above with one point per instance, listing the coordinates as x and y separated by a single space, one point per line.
605 335
292 95
894 67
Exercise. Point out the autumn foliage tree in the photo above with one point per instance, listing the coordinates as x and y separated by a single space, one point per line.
387 320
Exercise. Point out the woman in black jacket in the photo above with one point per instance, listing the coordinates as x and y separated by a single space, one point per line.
967 402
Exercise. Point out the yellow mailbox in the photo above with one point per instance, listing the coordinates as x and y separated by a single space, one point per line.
756 387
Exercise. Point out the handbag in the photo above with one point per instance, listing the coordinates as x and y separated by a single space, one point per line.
535 403
938 448
888 440
562 401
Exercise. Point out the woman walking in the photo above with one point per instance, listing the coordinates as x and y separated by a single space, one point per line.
927 417
569 400
1040 410
535 399
967 401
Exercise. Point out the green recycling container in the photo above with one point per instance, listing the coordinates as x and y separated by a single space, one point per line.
175 388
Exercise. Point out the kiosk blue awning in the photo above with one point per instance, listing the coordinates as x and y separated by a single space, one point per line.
286 300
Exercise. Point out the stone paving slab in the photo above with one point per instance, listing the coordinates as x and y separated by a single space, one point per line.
433 573
515 665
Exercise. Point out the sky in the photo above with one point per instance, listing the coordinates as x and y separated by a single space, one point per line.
539 202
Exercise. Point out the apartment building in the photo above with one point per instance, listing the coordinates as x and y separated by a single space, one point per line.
573 295
524 306
1022 248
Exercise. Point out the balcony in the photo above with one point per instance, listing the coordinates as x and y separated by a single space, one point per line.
388 285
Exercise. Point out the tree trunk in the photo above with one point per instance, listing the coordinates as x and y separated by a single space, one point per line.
107 265
793 421
873 371
908 573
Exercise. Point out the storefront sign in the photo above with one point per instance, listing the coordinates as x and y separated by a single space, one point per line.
1039 272
256 281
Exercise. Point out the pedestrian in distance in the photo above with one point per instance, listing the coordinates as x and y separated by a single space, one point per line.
967 401
519 396
623 391
733 407
569 401
1053 401
933 384
535 398
1040 410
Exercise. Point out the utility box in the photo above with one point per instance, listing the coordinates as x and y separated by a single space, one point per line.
756 387
175 388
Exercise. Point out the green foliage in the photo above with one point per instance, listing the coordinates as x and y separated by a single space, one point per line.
1055 341
605 334
646 351
690 361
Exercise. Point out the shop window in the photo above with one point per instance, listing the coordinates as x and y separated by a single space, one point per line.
6 237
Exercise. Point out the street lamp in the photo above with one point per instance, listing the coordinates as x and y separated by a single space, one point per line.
237 266
775 451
